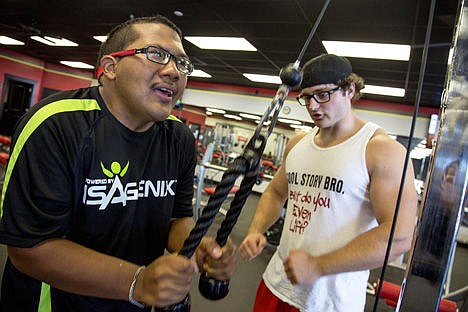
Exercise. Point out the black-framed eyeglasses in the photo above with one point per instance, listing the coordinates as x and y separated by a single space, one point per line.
319 97
160 56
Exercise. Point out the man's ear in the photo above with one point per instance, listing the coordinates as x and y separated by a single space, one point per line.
108 64
352 89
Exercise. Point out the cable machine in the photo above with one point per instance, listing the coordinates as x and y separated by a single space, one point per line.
442 206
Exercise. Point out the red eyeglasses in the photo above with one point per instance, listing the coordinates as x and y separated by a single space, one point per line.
156 55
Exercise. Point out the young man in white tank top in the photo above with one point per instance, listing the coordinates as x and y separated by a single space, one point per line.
341 182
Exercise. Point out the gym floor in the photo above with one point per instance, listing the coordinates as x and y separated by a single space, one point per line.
244 283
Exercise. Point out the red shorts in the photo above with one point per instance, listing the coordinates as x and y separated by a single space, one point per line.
265 301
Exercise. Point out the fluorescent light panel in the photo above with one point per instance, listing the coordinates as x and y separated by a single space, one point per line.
250 116
266 123
301 127
380 90
216 110
221 43
10 41
77 64
289 121
385 51
100 38
200 73
55 42
263 78
230 116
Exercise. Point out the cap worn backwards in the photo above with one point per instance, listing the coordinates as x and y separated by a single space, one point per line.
324 69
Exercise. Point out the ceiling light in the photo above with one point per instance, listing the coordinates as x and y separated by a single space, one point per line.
77 64
178 13
216 110
221 43
266 123
385 51
10 41
209 113
380 90
200 73
100 38
250 116
263 78
56 42
232 116
300 127
289 121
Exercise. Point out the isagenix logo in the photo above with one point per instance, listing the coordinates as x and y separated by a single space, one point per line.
110 190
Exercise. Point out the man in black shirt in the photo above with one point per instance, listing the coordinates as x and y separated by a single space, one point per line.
100 185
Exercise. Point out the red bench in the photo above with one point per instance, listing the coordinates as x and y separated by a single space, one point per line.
391 292
4 158
5 140
210 190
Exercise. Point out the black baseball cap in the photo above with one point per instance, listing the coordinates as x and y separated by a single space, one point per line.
324 69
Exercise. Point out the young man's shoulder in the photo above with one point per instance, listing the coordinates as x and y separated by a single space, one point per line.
381 140
383 149
293 141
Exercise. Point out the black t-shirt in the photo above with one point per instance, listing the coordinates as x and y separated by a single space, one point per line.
78 173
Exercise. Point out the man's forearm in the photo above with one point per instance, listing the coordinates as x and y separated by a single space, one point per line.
180 230
365 252
267 213
74 268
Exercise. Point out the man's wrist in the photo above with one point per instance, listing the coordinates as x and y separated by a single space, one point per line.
131 291
254 230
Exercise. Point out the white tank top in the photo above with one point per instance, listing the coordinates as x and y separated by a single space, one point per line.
328 206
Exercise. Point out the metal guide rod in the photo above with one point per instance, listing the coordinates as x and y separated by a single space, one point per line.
311 34
408 150
201 178
285 87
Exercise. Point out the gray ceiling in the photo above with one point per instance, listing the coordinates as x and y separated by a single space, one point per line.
277 28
